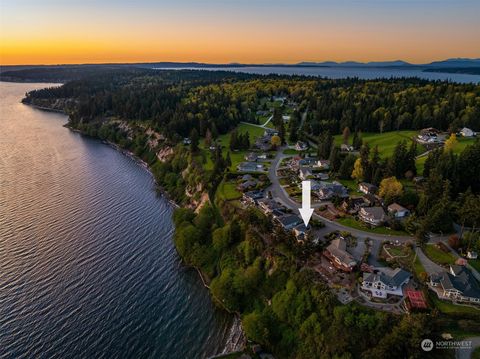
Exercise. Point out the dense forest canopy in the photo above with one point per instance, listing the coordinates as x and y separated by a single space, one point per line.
174 102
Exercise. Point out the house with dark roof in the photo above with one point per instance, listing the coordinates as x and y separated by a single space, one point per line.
337 253
373 216
289 221
301 146
301 232
385 281
251 157
304 173
367 188
252 197
458 284
328 190
250 167
267 205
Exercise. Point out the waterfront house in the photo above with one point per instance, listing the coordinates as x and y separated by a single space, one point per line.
398 211
367 188
252 197
458 284
289 221
267 205
385 281
301 232
337 253
373 216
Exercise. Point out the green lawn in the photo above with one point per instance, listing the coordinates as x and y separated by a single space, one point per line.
418 267
352 185
476 354
290 151
227 191
438 256
351 222
386 142
462 143
475 263
447 307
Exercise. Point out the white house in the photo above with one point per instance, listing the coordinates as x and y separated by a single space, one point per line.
458 284
385 281
367 188
466 132
398 211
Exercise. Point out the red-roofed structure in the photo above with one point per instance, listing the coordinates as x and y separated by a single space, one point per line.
415 299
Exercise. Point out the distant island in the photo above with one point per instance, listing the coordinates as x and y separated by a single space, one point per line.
67 72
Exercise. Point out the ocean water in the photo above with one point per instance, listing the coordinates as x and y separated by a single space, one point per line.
88 268
366 73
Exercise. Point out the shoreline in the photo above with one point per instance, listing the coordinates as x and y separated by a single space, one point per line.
174 204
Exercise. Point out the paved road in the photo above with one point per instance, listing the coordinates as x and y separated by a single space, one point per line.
279 193
467 353
430 267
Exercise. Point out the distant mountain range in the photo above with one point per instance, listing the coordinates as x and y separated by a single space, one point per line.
454 65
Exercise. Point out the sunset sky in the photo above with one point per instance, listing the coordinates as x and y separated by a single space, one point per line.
247 31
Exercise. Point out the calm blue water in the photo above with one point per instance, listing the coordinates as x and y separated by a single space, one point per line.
87 264
362 73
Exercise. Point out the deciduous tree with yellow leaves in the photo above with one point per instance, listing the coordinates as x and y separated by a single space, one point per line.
390 189
451 142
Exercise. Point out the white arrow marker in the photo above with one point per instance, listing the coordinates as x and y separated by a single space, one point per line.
306 211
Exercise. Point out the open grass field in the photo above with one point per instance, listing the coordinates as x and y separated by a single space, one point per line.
353 223
226 191
475 263
438 256
386 142
450 308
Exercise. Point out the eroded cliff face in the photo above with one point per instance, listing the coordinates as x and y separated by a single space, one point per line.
55 104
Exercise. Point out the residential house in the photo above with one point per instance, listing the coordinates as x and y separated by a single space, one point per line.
352 205
472 255
262 156
267 205
276 213
374 216
337 253
286 118
385 281
371 200
466 132
346 148
301 232
252 197
250 167
323 164
398 211
270 132
251 157
367 188
301 146
304 173
247 185
289 221
458 284
330 190
307 162
322 176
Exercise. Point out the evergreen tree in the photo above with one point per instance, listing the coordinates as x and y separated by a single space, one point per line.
335 159
194 141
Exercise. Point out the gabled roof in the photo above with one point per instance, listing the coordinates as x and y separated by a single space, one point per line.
461 279
338 249
393 279
289 219
374 212
395 207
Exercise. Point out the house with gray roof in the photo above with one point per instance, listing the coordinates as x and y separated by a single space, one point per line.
337 253
289 221
385 281
458 284
373 216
